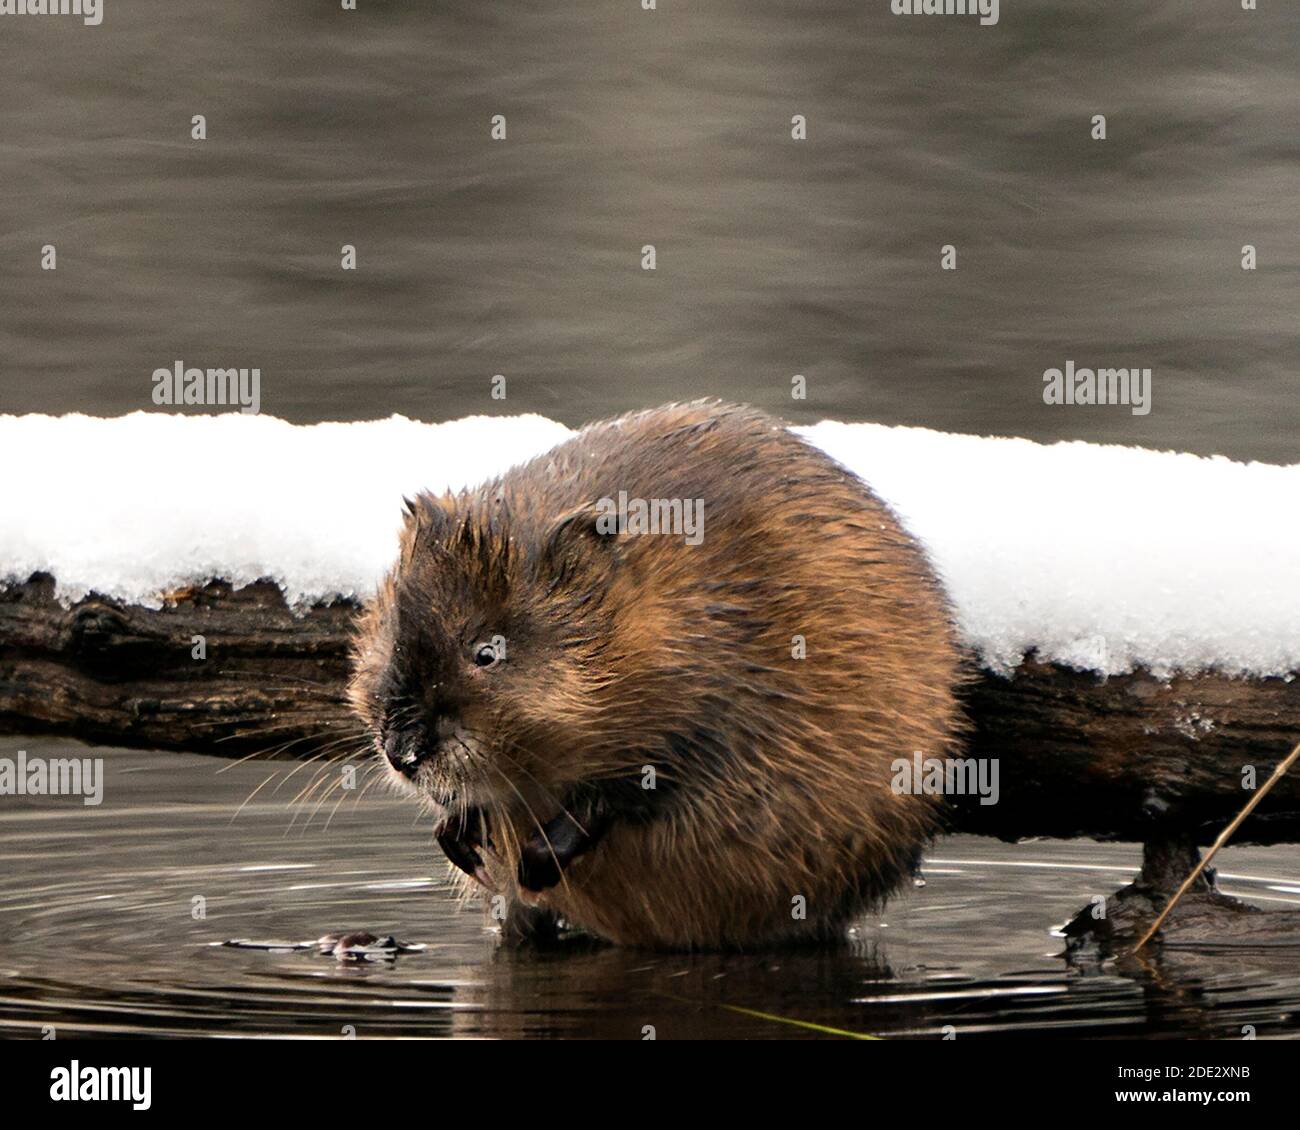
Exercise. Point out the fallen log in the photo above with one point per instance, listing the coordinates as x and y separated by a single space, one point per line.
214 670
237 672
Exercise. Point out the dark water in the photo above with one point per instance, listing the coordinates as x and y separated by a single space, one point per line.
99 935
670 128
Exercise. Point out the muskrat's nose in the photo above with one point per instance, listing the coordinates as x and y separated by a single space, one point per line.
407 748
403 748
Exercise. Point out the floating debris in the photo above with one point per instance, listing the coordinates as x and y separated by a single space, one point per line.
356 945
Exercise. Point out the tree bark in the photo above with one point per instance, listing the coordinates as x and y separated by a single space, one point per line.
1133 757
1130 757
270 680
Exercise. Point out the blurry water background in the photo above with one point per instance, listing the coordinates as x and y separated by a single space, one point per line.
522 257
100 934
672 128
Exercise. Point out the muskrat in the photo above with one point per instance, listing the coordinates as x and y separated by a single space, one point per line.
667 740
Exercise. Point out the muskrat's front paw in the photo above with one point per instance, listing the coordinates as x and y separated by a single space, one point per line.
460 838
543 858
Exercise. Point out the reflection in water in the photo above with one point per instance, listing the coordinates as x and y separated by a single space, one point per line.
111 915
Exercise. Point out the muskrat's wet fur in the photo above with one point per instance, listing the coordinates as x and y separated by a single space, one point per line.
633 660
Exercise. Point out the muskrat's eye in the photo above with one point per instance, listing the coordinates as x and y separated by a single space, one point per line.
485 655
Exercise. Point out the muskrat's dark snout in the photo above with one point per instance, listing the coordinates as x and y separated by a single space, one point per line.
409 747
402 748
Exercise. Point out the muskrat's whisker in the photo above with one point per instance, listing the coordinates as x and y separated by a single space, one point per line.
492 823
302 765
270 752
328 792
355 800
342 791
252 795
304 794
342 798
363 790
545 791
296 722
312 741
314 780
240 760
302 805
330 748
540 830
322 774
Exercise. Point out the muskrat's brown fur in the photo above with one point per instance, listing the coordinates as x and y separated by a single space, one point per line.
627 653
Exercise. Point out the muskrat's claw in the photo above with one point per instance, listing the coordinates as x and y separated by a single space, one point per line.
459 838
560 841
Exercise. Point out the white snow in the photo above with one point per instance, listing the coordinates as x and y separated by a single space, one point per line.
133 506
1103 558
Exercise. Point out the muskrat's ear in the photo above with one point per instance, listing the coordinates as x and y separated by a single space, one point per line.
585 525
427 514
